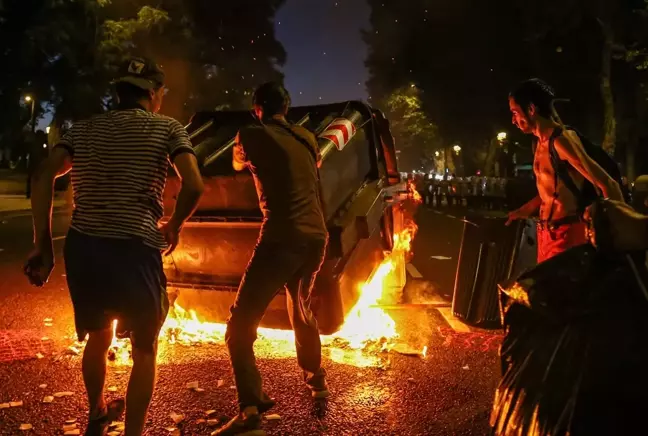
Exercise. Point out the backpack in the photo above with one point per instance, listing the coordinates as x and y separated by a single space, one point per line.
589 193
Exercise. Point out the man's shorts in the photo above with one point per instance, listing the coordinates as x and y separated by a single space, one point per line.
120 279
552 242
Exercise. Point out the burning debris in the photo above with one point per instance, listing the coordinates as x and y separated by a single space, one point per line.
367 335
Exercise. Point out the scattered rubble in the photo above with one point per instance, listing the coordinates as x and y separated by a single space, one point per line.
15 403
176 417
273 417
63 394
48 399
406 350
73 350
25 427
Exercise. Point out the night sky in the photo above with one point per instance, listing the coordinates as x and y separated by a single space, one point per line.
325 49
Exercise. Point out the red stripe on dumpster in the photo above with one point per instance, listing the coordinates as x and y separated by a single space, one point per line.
22 345
340 132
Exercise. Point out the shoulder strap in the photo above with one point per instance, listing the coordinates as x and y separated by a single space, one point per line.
288 128
561 171
316 156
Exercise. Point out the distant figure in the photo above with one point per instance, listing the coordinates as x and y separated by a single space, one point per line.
560 225
119 163
283 160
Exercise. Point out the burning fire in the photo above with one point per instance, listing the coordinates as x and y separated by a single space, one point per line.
366 327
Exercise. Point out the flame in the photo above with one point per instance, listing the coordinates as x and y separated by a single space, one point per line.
366 329
413 192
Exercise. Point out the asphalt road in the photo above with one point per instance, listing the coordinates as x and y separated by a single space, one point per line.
448 392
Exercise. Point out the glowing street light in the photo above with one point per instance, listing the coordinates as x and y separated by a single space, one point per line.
437 154
28 99
47 129
456 149
501 136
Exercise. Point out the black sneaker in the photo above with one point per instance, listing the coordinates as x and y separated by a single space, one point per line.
242 426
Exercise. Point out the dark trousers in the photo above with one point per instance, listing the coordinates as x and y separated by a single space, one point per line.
273 266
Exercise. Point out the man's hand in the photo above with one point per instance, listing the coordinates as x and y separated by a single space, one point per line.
39 266
171 233
525 211
615 225
519 214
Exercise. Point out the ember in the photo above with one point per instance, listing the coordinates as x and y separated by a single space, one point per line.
367 330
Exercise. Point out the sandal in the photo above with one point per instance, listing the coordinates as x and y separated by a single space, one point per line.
98 426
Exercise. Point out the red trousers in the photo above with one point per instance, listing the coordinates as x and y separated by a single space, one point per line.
561 239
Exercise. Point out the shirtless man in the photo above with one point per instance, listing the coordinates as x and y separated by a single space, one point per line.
560 225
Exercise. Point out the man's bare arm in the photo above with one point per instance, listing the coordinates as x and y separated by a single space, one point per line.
526 211
57 164
186 166
571 150
533 205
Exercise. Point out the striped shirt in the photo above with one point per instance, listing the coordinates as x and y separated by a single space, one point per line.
120 162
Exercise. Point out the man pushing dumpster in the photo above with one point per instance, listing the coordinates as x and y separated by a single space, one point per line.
283 160
570 171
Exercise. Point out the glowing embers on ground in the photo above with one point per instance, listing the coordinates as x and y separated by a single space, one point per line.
367 334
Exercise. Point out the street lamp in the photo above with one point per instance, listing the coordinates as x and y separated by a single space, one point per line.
456 149
501 136
29 98
47 129
436 153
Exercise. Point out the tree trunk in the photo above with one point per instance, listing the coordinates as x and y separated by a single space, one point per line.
609 119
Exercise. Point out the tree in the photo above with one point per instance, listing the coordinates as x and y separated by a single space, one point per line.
66 52
216 53
416 136
461 56
615 29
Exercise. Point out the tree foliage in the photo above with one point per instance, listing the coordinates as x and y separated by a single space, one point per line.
66 52
466 56
415 134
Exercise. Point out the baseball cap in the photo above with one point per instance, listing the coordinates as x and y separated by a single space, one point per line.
141 72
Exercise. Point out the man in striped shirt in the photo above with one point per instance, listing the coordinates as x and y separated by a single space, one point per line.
119 163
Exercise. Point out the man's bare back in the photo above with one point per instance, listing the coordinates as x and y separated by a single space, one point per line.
554 207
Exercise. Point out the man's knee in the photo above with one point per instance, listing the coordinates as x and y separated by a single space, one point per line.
144 345
241 330
100 339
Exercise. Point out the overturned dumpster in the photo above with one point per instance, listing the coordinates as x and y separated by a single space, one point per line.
361 190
